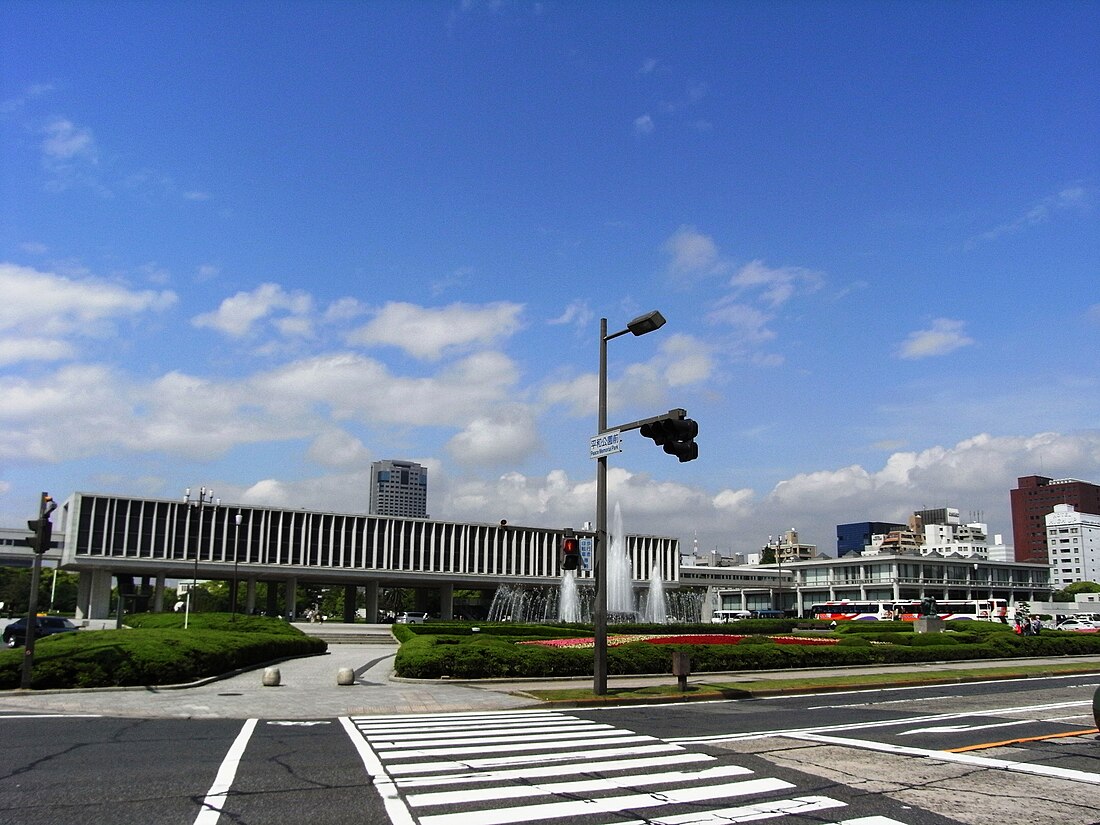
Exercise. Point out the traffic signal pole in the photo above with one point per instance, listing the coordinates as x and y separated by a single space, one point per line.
41 543
599 611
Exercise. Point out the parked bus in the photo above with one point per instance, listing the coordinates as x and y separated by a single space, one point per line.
987 610
845 611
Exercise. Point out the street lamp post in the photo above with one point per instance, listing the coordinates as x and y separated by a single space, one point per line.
205 497
639 326
236 549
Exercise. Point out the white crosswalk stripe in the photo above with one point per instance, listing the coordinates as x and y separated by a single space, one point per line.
500 768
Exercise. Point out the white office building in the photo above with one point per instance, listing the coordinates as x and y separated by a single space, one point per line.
1073 545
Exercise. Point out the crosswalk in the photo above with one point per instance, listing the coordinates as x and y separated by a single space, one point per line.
509 767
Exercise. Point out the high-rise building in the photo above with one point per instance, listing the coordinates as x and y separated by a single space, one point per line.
1074 542
398 488
1034 499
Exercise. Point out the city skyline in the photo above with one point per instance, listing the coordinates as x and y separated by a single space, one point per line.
258 247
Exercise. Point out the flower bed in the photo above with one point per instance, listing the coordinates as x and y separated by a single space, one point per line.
678 639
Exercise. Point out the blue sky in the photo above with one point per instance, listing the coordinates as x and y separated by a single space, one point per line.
256 246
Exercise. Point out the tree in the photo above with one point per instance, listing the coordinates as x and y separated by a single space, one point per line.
1071 590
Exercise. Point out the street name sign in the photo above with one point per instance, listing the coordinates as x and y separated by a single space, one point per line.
605 444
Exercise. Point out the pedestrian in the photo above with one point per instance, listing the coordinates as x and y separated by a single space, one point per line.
1036 625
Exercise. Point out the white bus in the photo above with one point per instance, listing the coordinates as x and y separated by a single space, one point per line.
987 610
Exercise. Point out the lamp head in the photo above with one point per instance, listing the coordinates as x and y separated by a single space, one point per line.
646 323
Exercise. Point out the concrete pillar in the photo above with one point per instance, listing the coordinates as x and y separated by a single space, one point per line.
94 595
272 607
250 597
83 589
370 602
447 601
291 599
158 595
351 594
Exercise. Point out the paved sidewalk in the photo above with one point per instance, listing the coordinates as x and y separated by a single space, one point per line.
307 690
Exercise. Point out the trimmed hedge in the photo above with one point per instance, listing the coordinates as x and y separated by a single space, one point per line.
157 651
487 654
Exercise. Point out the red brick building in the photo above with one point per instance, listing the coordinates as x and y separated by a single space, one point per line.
1035 497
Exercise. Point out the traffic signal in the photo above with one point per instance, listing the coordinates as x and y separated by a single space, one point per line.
675 435
41 528
570 552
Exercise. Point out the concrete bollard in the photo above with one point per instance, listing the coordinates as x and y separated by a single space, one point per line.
681 668
272 677
345 676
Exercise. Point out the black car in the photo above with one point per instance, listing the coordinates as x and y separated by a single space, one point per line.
15 633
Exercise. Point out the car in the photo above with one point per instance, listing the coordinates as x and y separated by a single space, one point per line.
15 634
412 617
1080 625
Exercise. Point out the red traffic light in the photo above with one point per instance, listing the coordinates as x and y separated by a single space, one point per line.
570 553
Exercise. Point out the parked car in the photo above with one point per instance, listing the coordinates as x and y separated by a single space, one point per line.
15 634
411 617
1082 625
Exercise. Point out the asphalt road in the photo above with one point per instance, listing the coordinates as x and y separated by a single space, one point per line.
876 757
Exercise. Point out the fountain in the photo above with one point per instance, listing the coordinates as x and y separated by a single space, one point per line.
620 582
571 601
655 609
569 607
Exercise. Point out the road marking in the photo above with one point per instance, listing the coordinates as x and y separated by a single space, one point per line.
575 786
621 738
958 728
526 759
215 797
527 773
482 769
51 716
747 813
613 804
469 737
1008 742
949 756
383 782
886 723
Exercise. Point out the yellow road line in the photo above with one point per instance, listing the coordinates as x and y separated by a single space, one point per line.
1008 742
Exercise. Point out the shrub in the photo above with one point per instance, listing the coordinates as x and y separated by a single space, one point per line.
486 655
158 651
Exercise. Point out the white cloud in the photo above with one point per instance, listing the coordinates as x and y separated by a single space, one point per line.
40 310
693 254
65 141
239 315
681 360
334 447
775 285
749 323
944 336
17 350
353 387
428 333
1070 198
684 361
643 125
505 435
577 314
